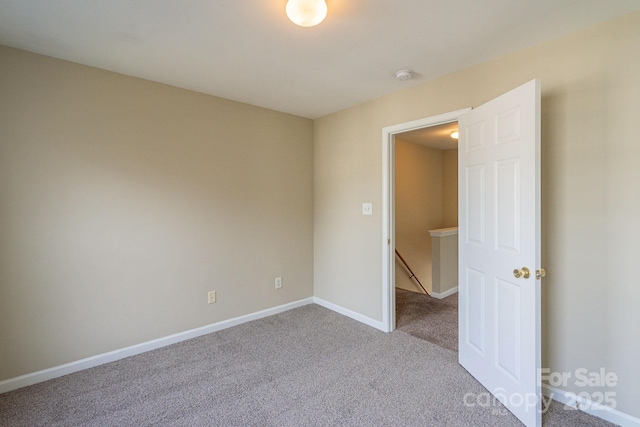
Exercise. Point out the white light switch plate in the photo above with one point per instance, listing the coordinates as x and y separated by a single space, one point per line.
367 209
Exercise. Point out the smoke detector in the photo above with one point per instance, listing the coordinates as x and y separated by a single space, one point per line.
403 75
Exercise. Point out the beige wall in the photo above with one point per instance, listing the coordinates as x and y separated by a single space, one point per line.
450 188
122 202
590 202
418 208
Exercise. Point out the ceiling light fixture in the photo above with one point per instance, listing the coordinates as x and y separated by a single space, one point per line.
403 75
454 134
306 13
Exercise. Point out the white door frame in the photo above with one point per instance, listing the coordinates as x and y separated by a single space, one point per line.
388 216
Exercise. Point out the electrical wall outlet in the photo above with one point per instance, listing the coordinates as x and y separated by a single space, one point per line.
367 209
278 282
211 297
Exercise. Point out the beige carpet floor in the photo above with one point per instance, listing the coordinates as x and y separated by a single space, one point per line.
305 367
431 319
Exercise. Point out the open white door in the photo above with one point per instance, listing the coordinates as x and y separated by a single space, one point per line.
499 232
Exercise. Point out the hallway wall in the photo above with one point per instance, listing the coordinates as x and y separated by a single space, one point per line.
425 199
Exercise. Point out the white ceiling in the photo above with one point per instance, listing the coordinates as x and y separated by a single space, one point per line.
437 137
248 51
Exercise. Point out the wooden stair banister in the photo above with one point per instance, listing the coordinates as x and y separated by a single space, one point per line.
413 275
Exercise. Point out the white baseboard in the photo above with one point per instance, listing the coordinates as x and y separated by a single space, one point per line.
445 293
352 314
592 408
100 359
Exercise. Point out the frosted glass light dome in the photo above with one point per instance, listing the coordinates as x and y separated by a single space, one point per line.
306 13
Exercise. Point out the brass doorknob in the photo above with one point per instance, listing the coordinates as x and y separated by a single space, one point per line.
522 272
540 273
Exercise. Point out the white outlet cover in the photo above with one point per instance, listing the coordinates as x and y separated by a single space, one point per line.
367 209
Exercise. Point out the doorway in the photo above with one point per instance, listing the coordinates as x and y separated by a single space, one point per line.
426 220
389 135
426 201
